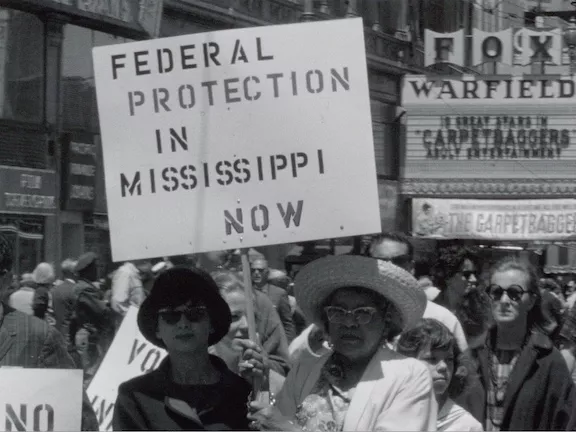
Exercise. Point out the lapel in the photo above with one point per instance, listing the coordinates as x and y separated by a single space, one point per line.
182 408
524 366
312 367
364 391
8 327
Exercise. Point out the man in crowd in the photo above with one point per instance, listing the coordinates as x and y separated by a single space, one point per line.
63 298
278 296
28 342
92 326
128 287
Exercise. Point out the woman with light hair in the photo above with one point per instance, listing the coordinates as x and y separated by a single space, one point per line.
44 276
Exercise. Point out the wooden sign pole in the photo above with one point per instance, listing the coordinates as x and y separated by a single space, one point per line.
257 385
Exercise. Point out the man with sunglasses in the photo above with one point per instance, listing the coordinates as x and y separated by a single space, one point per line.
29 342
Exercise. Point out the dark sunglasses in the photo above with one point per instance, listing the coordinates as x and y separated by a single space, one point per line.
192 314
467 273
514 292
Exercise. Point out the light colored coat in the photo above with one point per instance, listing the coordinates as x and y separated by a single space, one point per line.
127 289
394 394
453 417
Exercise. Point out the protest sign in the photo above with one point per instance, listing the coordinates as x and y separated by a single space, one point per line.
494 219
129 356
237 138
53 403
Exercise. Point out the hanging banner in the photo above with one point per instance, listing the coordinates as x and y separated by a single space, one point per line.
494 219
237 139
79 172
40 399
27 191
129 356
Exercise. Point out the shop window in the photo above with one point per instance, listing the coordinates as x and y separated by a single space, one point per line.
21 66
386 133
176 24
443 15
79 110
25 234
563 256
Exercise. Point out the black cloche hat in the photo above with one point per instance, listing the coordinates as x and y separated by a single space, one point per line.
175 287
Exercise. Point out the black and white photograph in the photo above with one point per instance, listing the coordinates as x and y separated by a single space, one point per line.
288 215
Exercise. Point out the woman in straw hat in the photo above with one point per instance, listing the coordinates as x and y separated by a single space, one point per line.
191 389
360 384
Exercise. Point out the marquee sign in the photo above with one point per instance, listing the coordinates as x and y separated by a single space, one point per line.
518 46
491 128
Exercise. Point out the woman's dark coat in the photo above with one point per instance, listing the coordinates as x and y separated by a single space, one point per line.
540 394
154 402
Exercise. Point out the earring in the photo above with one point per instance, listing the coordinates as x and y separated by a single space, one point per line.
328 342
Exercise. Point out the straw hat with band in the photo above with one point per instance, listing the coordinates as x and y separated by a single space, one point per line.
317 281
184 284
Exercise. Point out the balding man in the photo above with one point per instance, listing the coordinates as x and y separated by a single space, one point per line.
279 297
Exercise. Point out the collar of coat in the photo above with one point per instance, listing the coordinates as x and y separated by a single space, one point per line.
229 381
538 340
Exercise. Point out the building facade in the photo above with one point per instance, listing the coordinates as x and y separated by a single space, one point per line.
52 193
52 197
470 158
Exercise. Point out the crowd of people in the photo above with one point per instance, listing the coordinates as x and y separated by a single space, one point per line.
370 340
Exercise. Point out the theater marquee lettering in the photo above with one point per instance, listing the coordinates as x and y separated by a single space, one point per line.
494 137
494 219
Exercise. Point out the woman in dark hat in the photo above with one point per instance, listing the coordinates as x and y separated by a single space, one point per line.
359 384
191 390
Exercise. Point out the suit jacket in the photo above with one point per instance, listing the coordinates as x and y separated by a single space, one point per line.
29 342
394 393
540 394
64 300
279 298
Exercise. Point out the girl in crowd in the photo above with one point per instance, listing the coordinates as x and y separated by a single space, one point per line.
433 343
232 347
191 390
361 384
525 383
